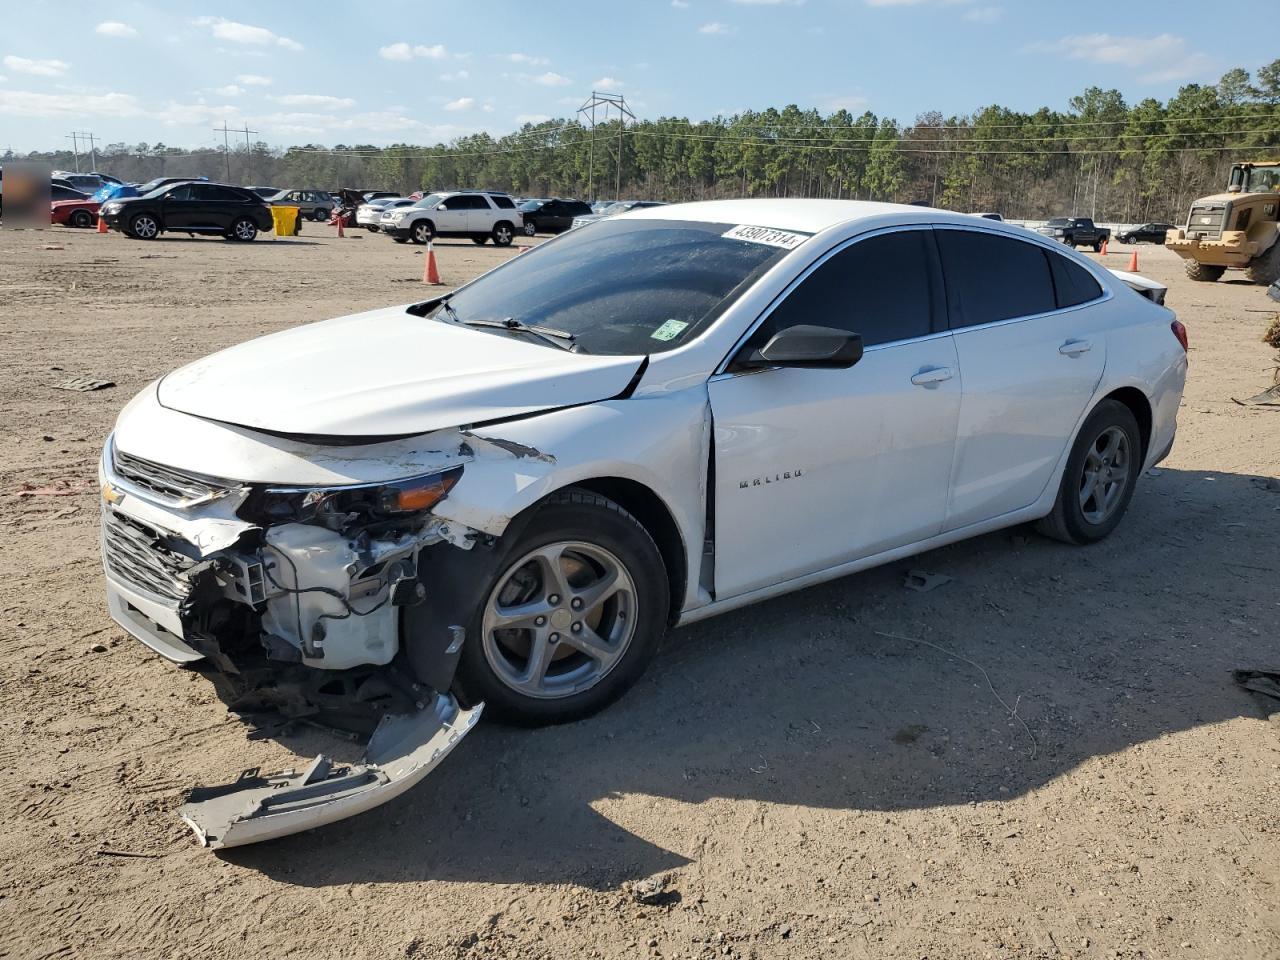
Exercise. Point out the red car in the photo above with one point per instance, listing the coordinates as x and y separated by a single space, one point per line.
74 213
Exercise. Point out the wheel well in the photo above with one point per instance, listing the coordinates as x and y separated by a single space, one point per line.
1140 407
647 507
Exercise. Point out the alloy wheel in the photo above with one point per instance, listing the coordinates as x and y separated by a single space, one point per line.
559 619
1105 475
145 228
502 234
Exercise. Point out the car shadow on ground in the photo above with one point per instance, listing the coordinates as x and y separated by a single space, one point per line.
805 700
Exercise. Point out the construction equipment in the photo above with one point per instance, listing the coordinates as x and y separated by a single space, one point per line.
1234 230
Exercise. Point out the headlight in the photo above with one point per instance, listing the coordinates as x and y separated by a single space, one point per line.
1059 233
341 508
112 207
396 215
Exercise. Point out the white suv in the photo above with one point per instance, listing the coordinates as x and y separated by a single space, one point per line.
478 215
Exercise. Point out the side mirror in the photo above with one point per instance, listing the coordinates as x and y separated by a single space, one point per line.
806 346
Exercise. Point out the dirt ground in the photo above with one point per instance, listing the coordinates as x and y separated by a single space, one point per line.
802 778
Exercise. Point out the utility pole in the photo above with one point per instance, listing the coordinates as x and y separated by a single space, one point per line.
226 146
248 153
93 153
75 147
607 101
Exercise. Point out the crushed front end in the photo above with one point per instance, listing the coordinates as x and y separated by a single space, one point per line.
289 599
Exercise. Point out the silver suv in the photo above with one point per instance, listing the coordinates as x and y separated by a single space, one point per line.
480 215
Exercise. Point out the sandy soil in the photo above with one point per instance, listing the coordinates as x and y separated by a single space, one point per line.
800 783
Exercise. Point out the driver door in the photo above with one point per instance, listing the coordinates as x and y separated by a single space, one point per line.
179 207
450 215
819 467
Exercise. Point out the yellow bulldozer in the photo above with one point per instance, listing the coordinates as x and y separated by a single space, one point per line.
1234 230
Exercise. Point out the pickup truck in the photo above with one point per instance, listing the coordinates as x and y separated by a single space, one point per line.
1076 232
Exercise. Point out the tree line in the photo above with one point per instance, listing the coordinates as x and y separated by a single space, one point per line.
1102 157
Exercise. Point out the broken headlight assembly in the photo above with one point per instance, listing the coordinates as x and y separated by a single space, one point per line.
347 507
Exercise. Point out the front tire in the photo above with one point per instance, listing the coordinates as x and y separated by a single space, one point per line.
82 219
1265 269
144 227
1204 272
422 232
1099 478
530 229
573 611
503 234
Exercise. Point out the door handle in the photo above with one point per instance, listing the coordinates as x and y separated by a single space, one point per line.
931 376
1073 348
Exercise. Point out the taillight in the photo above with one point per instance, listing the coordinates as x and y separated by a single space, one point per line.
1180 332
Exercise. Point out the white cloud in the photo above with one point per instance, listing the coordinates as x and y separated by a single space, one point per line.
315 101
551 79
984 14
462 103
230 90
607 83
405 51
527 60
680 4
24 103
715 29
1159 59
235 32
455 76
37 68
114 28
487 108
524 118
769 3
176 114
254 80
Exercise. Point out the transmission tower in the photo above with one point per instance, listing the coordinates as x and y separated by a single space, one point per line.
597 110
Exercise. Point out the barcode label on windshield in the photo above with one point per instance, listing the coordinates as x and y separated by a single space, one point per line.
766 235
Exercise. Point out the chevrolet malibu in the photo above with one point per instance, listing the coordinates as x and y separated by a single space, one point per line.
504 496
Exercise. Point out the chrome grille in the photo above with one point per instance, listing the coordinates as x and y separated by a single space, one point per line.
167 484
142 556
1207 222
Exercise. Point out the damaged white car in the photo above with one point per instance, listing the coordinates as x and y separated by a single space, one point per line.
506 495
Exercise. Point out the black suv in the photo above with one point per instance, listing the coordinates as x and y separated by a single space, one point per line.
1147 233
200 207
551 216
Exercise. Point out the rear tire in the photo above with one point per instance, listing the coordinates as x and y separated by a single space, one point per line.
593 523
503 234
530 229
82 219
1096 487
480 241
243 230
1265 269
1204 272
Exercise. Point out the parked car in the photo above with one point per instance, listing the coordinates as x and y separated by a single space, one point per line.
613 209
369 215
504 496
59 192
311 204
86 183
551 216
480 215
200 207
1075 232
1146 233
988 216
74 213
266 193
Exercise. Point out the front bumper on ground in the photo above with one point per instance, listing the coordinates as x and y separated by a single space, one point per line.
395 230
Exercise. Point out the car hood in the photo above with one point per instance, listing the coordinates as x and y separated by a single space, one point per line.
387 373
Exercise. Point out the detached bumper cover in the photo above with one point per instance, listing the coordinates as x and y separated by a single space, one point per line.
402 751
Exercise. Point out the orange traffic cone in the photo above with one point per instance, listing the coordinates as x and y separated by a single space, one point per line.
1133 262
429 272
102 225
341 217
1103 251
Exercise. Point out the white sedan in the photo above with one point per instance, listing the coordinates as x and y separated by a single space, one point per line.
369 215
506 495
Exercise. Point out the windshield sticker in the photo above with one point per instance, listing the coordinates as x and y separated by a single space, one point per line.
767 236
669 330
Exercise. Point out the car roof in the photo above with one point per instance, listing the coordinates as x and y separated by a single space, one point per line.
803 216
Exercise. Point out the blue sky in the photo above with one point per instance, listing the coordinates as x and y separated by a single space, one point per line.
336 72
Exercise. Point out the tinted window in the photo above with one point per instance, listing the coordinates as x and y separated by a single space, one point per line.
183 192
881 288
504 202
993 278
1072 282
586 283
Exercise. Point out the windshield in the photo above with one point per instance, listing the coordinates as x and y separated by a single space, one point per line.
1264 180
531 205
151 186
586 283
430 200
157 191
1059 222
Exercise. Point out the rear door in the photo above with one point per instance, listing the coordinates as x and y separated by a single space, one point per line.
479 213
1032 352
814 468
